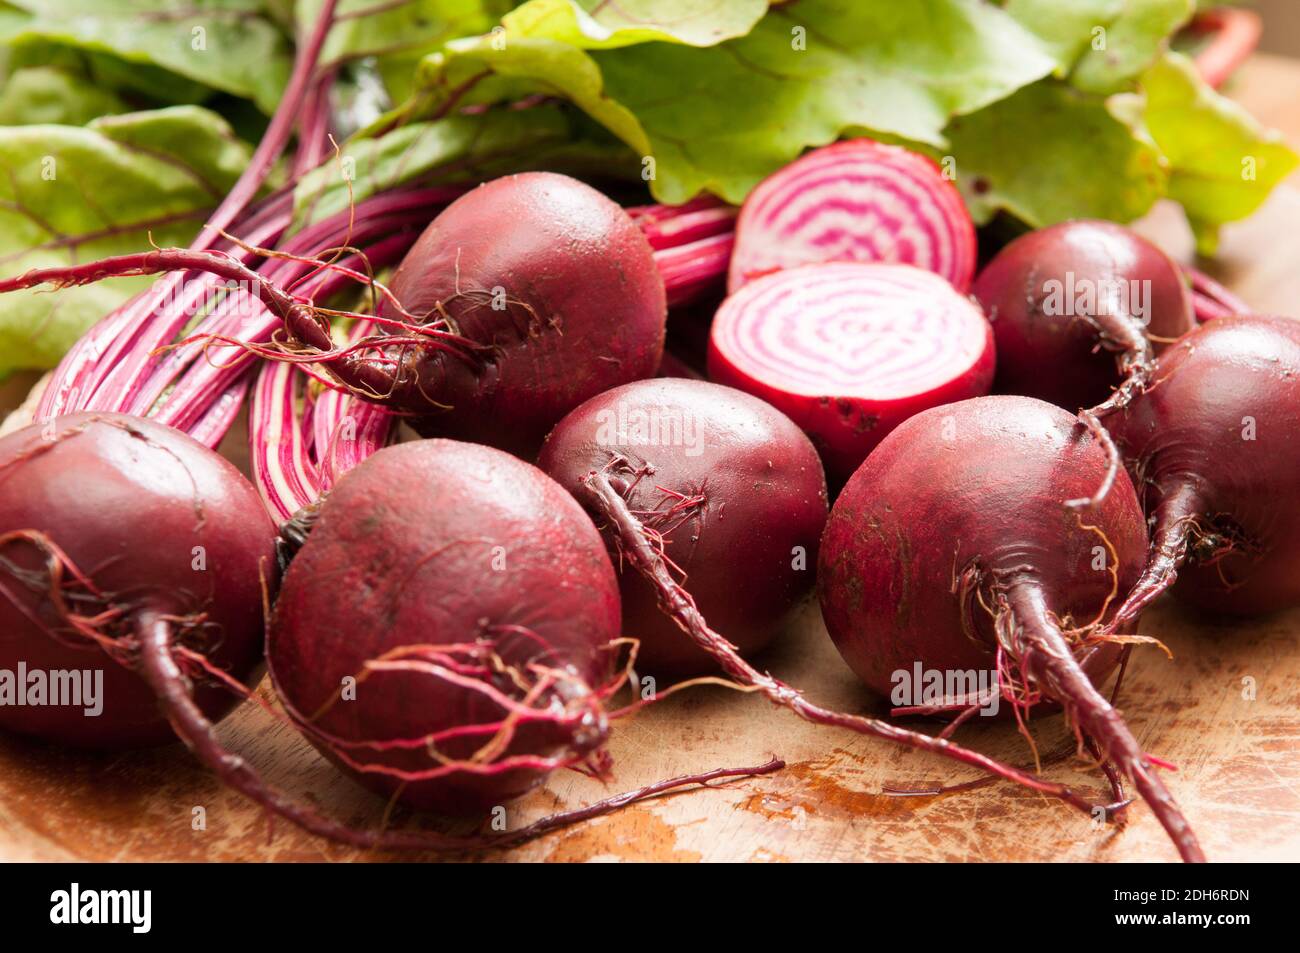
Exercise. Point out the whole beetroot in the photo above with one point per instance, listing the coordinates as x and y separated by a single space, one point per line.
1078 309
733 488
953 548
555 288
114 529
1214 445
471 603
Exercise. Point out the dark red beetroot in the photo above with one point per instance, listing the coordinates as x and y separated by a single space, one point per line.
622 489
1215 445
953 543
457 584
560 285
1077 308
850 350
112 525
734 489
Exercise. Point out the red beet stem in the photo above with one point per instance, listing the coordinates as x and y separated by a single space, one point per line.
637 548
1211 299
131 333
277 133
1236 33
159 667
156 262
303 322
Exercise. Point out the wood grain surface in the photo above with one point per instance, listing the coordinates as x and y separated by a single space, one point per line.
1238 757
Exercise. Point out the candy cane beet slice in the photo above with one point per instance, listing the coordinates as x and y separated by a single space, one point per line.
849 351
857 200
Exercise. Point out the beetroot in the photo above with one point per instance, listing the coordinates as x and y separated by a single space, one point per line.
856 200
850 351
473 602
1077 311
1214 444
732 487
111 526
952 547
553 280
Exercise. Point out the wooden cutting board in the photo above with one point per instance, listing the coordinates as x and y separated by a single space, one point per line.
1238 752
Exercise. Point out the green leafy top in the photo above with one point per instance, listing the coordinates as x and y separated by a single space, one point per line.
370 28
49 95
721 119
227 45
598 25
79 193
1102 46
1222 163
1048 110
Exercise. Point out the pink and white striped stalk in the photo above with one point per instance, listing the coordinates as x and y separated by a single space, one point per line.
692 244
302 440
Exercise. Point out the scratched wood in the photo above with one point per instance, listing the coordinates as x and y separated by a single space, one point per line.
1238 759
